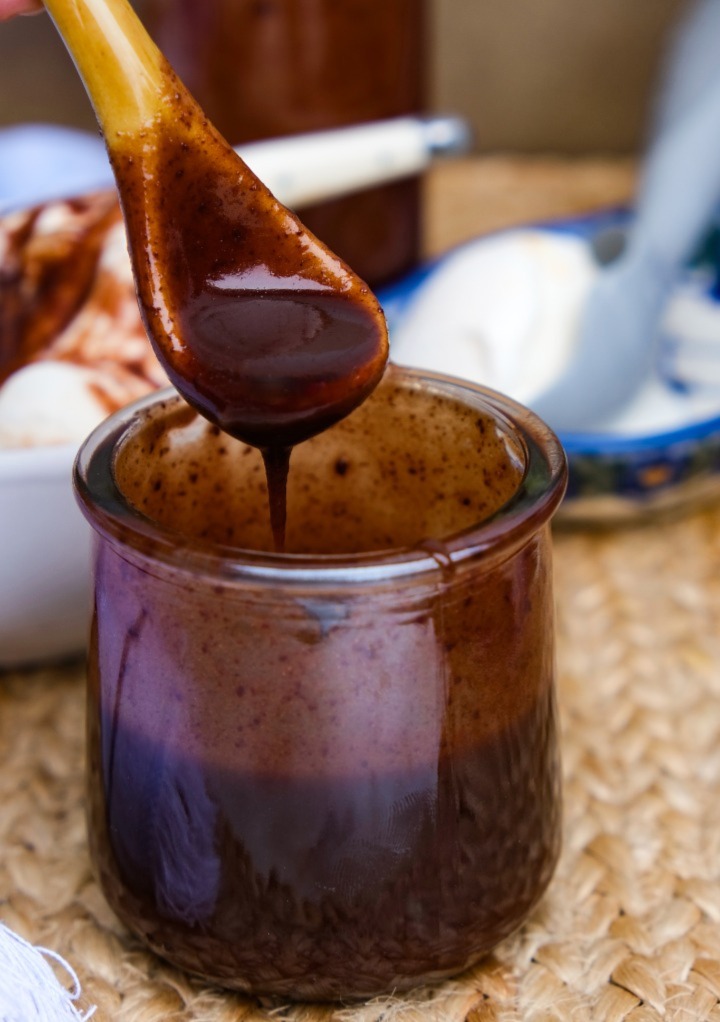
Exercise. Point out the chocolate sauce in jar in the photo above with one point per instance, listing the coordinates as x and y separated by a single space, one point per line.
332 781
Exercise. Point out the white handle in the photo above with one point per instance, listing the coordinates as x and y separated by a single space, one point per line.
681 187
303 169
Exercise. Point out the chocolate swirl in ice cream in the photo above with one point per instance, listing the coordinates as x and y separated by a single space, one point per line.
69 321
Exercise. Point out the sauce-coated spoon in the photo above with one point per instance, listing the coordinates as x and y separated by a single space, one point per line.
258 325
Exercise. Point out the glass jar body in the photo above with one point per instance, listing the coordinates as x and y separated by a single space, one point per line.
268 68
315 776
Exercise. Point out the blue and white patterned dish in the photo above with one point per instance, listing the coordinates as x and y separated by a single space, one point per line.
632 469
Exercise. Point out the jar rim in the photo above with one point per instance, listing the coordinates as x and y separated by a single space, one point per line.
533 503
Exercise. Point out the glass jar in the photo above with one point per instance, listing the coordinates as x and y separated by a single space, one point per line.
267 68
333 772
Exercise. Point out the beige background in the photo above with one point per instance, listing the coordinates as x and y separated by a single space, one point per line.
564 76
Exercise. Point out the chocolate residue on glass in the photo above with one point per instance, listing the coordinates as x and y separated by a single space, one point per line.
67 297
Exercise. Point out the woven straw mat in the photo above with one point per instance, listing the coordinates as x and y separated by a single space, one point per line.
630 927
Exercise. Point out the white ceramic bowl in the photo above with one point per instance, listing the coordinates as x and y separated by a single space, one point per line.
507 307
44 558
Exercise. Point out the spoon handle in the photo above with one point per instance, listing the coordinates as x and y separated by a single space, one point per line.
120 65
681 186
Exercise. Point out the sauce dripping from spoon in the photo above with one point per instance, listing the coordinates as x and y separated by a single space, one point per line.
257 324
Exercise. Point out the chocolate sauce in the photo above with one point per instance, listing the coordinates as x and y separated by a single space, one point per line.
277 469
385 477
256 323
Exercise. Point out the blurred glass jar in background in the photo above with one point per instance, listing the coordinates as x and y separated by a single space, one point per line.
266 68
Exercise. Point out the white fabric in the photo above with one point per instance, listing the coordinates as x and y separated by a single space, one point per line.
29 989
